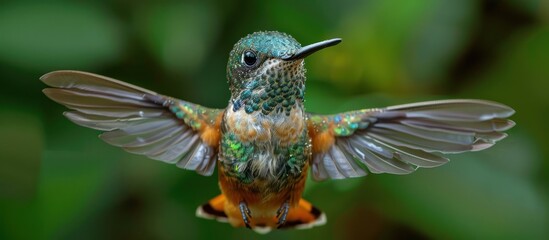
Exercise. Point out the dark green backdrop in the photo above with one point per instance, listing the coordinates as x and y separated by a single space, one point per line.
59 181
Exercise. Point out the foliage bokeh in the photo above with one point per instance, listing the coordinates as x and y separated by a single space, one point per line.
59 181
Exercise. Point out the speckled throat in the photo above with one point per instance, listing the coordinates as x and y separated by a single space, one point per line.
276 87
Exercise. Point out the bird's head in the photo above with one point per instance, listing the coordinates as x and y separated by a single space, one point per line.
266 72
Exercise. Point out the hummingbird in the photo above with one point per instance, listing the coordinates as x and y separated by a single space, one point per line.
264 143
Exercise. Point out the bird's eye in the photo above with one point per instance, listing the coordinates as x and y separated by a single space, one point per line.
249 58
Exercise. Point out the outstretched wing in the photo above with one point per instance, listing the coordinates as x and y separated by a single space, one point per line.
138 120
400 139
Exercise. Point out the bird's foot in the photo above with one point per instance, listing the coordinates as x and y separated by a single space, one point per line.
246 213
282 213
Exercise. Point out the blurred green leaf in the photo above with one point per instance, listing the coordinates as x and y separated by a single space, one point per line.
322 98
440 36
72 188
19 167
19 219
538 8
21 144
42 36
302 23
398 46
179 35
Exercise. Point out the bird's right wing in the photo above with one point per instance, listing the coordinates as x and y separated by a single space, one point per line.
138 120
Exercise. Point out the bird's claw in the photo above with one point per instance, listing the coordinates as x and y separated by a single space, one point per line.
282 213
246 214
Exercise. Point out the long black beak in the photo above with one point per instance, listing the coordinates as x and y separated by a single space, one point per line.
310 49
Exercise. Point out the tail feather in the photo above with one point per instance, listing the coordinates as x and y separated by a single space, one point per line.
213 209
302 216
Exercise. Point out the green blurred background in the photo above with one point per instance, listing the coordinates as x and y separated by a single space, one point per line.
59 181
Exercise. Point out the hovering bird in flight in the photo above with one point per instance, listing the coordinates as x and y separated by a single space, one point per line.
264 142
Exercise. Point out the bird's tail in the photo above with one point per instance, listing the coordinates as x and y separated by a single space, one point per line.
213 209
303 216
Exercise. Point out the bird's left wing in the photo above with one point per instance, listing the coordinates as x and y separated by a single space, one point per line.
138 120
399 139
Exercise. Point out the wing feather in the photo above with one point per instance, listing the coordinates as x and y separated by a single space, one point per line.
138 120
399 139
